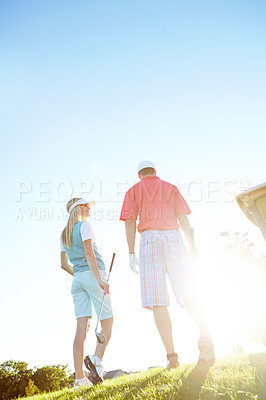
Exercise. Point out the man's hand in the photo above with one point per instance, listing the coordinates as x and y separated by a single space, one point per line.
194 254
134 262
104 286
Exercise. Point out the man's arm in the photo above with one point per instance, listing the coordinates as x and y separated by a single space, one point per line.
188 231
64 263
131 234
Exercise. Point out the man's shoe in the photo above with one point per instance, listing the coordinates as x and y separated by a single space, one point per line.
82 382
206 349
173 360
94 365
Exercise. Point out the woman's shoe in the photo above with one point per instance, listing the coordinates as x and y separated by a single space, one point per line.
82 382
94 365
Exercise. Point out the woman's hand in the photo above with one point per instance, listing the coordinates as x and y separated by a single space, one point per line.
104 286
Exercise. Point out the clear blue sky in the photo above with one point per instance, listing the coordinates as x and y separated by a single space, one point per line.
89 89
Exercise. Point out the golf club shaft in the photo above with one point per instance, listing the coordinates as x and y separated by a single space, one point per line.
100 313
111 266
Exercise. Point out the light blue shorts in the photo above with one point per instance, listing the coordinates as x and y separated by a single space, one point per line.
86 291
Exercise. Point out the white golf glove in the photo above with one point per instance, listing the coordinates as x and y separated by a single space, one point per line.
134 262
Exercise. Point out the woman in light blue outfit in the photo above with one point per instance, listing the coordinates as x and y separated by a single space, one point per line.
88 286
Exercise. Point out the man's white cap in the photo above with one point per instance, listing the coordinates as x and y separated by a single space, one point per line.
145 164
80 202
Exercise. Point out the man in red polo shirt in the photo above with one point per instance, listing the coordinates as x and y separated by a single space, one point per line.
161 210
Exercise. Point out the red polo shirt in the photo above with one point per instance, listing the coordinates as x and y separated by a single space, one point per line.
157 204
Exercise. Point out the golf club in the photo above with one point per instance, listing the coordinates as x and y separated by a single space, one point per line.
100 337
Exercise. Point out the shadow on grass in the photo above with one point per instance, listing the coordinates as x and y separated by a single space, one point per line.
192 383
140 385
259 362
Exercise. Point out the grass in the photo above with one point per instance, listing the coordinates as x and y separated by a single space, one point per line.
233 378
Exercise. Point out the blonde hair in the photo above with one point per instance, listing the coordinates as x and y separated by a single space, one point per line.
74 217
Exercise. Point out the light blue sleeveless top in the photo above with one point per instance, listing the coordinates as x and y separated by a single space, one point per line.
76 253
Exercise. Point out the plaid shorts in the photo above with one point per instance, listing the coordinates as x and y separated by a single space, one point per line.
163 252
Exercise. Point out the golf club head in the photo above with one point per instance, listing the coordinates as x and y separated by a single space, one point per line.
100 337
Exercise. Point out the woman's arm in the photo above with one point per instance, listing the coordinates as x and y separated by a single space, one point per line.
64 263
91 259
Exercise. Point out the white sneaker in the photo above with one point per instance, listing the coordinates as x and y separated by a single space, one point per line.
94 365
82 382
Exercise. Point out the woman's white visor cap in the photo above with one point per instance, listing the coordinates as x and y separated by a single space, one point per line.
80 202
145 164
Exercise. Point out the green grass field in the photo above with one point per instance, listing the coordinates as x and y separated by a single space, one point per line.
236 377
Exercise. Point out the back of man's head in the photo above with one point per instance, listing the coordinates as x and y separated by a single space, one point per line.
147 171
146 168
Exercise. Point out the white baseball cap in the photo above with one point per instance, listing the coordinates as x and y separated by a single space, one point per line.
145 164
80 202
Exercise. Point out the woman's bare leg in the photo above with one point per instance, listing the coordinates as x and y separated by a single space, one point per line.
106 325
78 345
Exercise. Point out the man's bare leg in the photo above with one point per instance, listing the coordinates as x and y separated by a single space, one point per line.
205 343
196 310
164 326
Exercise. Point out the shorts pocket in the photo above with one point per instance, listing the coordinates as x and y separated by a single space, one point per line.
73 285
172 236
149 239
